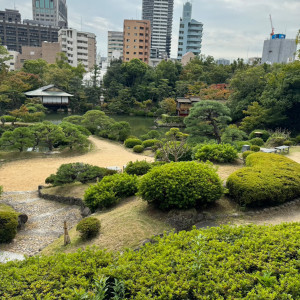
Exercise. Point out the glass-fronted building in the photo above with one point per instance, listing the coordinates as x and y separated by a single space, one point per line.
190 33
50 12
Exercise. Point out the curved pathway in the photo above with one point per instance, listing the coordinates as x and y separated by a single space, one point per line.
26 175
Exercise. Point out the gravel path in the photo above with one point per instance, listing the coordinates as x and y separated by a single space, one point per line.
45 221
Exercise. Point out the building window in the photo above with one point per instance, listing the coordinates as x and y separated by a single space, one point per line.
135 41
134 53
127 58
127 52
128 40
181 25
135 34
128 27
141 28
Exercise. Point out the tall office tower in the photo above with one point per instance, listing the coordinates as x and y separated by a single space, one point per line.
50 12
190 33
160 14
115 43
137 35
80 47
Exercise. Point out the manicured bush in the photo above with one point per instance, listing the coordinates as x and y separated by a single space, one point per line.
138 149
152 134
68 173
267 179
264 134
110 190
8 223
181 185
138 167
150 143
216 153
131 142
88 227
288 143
298 139
254 148
246 153
228 262
257 141
275 141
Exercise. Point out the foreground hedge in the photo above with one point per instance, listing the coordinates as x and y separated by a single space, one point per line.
267 179
8 223
246 262
181 185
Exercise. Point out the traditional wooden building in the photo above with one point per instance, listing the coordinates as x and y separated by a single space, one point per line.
184 105
51 96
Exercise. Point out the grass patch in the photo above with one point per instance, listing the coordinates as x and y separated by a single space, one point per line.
125 226
4 207
75 190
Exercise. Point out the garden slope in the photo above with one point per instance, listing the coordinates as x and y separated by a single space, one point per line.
26 175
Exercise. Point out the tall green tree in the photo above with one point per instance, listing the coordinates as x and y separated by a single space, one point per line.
207 118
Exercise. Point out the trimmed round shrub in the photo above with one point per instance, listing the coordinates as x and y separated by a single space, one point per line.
246 153
265 134
267 179
138 149
181 185
257 141
254 148
8 224
222 153
138 167
288 143
298 139
131 142
150 143
275 141
110 190
88 227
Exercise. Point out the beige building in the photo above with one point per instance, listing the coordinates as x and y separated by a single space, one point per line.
47 52
137 40
187 57
80 47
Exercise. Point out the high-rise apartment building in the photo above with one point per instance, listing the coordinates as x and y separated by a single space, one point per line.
115 43
50 12
10 15
80 47
160 14
137 37
190 33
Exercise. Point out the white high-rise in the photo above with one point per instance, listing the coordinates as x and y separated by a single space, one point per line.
50 12
160 14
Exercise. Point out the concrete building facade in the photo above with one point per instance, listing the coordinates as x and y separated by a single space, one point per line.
79 46
160 14
14 34
190 33
137 38
223 61
279 50
50 12
10 15
115 43
187 57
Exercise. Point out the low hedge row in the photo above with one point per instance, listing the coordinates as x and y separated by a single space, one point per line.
267 179
110 190
245 262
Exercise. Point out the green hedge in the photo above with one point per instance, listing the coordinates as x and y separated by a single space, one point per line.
68 173
254 148
246 153
110 190
131 142
138 167
267 179
257 141
150 143
138 149
8 223
171 119
88 227
222 153
244 262
181 185
265 134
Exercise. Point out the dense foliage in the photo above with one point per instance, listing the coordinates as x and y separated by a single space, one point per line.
138 148
131 142
138 167
72 172
245 262
267 179
181 185
110 190
88 227
223 153
8 223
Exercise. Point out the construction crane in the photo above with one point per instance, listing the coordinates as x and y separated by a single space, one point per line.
272 33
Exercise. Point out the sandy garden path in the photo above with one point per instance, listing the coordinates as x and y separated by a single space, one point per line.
26 175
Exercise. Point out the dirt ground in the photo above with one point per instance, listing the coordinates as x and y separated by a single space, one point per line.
26 175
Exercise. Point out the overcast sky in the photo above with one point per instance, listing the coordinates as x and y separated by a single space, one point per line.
232 28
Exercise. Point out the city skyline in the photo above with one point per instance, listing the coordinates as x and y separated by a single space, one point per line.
232 28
